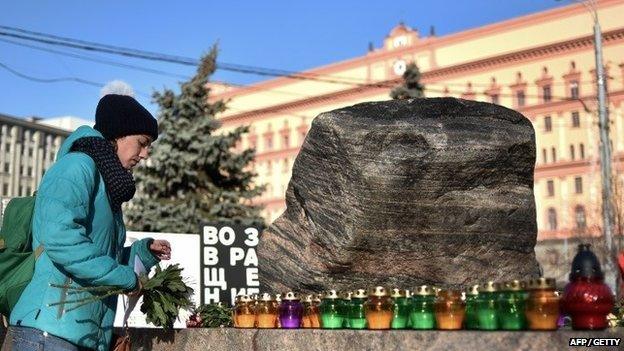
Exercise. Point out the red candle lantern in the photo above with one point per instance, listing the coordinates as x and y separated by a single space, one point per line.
586 298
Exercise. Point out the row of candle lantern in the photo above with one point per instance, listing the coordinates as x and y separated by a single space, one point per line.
513 305
492 306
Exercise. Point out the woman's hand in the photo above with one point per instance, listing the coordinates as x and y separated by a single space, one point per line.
161 249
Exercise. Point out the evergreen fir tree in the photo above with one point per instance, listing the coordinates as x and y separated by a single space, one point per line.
193 174
411 87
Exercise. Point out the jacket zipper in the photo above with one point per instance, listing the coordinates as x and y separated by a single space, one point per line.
61 308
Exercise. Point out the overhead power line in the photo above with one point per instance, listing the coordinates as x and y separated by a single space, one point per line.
60 79
98 60
55 40
50 80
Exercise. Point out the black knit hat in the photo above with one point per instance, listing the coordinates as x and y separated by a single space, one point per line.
120 115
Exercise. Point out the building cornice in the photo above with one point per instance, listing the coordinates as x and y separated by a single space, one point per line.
364 90
32 125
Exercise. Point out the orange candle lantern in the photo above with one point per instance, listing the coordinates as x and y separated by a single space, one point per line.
378 309
244 314
266 312
449 310
542 306
311 312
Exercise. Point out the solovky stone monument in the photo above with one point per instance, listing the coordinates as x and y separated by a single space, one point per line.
401 193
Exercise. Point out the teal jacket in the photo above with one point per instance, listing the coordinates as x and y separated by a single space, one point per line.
82 242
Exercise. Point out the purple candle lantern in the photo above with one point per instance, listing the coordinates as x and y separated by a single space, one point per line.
290 311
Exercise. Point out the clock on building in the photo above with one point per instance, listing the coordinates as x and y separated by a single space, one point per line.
399 67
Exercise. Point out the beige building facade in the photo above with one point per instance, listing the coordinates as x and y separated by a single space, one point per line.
542 65
27 150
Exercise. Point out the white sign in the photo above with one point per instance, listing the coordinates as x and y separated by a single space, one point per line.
184 252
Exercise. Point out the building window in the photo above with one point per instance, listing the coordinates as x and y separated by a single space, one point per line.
5 189
576 119
30 152
547 124
582 151
8 147
285 165
578 185
30 174
495 99
550 188
574 90
579 216
268 143
286 141
544 156
520 98
28 191
546 93
552 219
21 171
553 151
572 152
21 190
6 167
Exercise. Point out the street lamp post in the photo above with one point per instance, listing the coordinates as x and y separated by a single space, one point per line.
605 143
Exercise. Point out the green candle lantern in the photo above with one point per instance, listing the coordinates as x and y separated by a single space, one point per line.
422 314
511 305
356 316
472 296
401 307
331 311
345 301
487 306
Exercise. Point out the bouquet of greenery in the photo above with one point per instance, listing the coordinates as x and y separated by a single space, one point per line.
214 315
164 294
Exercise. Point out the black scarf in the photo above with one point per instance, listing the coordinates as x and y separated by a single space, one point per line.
119 182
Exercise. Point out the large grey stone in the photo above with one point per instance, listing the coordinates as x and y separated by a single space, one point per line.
402 193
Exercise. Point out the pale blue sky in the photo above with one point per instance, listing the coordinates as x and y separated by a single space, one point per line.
290 35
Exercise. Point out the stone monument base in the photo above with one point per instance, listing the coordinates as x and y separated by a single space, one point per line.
316 339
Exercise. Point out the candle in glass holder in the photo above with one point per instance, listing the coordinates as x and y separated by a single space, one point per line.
378 309
449 310
487 306
542 306
400 308
511 305
266 312
472 295
586 298
331 311
244 314
311 314
422 315
345 298
290 311
356 315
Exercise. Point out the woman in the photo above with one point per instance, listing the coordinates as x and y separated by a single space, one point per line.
79 223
